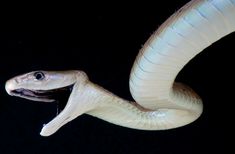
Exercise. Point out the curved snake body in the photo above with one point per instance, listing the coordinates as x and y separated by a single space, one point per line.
161 103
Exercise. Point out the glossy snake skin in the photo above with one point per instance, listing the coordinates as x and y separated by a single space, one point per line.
160 102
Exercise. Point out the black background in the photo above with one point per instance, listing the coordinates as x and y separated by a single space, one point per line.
103 39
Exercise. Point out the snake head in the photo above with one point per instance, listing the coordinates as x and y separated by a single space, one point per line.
47 86
41 86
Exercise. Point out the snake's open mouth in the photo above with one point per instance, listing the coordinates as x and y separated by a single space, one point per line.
59 95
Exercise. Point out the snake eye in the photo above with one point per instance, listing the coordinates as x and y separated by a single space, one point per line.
39 75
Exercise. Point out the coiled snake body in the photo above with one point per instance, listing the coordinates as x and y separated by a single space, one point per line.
160 102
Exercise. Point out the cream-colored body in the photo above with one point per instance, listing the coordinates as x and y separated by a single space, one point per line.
161 103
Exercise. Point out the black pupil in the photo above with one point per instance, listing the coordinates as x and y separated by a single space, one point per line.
39 75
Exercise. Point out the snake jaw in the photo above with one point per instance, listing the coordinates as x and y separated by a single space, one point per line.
42 95
33 95
51 127
59 96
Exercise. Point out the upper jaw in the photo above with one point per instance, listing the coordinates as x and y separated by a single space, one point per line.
33 95
49 95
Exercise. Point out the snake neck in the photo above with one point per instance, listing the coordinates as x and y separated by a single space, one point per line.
113 109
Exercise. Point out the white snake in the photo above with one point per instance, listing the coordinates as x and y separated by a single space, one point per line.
161 103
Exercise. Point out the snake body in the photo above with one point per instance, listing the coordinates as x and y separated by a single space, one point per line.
160 102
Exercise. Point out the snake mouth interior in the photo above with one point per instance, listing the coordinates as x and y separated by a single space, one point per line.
59 95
